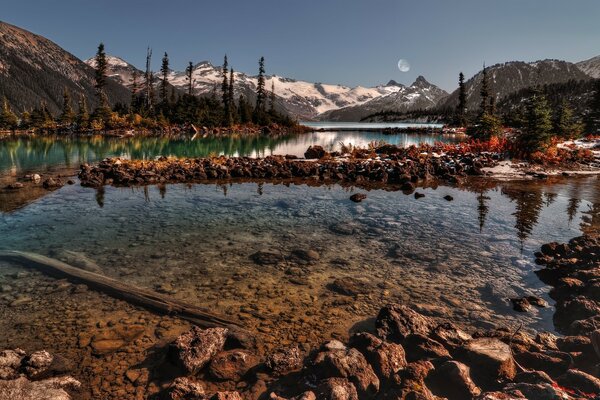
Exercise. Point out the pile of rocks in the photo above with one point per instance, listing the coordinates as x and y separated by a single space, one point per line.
406 356
39 375
388 165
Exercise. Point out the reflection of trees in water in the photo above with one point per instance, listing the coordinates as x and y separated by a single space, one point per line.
549 198
482 209
100 196
573 208
528 206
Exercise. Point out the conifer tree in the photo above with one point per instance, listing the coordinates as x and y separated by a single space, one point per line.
8 119
260 87
538 129
565 124
103 110
188 73
244 110
488 124
461 109
484 93
68 115
149 80
83 117
225 93
164 84
593 118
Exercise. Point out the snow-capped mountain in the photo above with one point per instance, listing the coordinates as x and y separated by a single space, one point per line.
300 98
513 76
591 67
33 69
421 95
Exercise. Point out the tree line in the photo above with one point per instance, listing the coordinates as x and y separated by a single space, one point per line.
536 118
148 109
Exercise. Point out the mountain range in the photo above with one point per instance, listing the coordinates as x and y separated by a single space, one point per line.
33 69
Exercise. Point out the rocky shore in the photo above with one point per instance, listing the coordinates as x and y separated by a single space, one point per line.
405 355
388 165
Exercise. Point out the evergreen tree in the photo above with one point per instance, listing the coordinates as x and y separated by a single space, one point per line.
164 84
103 110
593 118
461 109
488 124
245 110
227 120
565 124
188 73
260 88
83 117
538 129
68 115
8 119
25 120
149 81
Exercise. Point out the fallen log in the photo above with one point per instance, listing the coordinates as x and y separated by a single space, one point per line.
132 294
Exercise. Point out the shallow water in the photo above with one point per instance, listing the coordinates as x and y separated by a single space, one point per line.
457 260
27 154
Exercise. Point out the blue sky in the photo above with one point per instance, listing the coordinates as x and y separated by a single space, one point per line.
334 41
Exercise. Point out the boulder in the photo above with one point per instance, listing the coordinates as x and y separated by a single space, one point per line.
450 336
232 365
284 361
386 358
335 360
315 152
358 197
420 347
409 383
10 363
490 360
349 286
535 391
183 388
579 380
266 258
336 389
48 389
195 348
395 322
453 380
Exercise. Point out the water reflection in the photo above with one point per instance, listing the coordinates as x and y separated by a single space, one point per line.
27 154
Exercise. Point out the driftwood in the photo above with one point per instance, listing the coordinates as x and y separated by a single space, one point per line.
120 290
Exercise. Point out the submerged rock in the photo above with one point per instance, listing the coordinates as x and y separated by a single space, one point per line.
266 258
195 348
395 322
358 197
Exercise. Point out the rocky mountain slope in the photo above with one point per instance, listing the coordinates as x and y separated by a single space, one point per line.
421 95
591 67
513 76
34 69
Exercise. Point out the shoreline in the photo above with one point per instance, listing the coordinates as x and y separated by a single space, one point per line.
401 353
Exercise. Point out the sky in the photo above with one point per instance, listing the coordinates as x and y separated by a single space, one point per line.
349 42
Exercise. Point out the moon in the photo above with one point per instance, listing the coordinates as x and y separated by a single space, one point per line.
403 65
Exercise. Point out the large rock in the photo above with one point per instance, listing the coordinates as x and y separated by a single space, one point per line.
409 383
195 348
395 322
315 152
335 360
10 363
183 389
579 380
386 358
420 347
49 389
232 365
490 360
284 361
336 389
450 336
453 380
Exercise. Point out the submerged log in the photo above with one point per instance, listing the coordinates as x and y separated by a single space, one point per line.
132 294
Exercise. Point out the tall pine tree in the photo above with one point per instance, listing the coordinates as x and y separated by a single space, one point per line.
83 116
67 115
461 109
164 83
103 110
538 129
565 124
230 98
260 87
188 74
593 118
227 120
